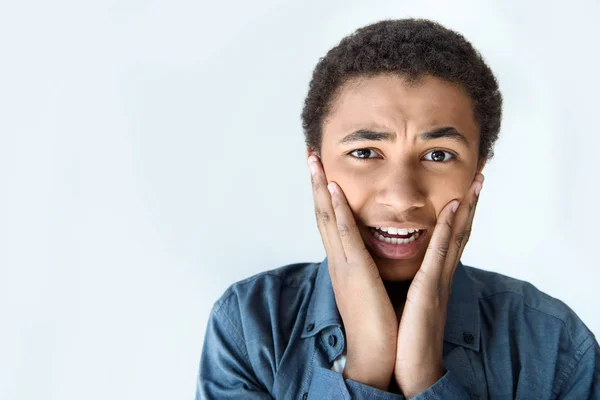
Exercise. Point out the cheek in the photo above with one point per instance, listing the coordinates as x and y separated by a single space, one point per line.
442 192
356 187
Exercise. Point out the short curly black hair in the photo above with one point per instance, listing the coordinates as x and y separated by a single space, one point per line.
410 48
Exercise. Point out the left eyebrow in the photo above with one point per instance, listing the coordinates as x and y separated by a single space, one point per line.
364 135
447 132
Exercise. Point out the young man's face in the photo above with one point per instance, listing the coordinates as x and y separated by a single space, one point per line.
406 179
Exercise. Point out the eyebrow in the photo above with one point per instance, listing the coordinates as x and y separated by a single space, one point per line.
363 135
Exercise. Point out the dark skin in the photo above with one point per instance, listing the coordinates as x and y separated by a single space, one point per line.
396 183
421 169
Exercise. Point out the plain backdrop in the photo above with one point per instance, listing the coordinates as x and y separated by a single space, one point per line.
151 154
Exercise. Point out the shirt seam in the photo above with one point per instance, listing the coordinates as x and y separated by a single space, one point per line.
253 278
239 337
308 376
532 308
223 317
569 370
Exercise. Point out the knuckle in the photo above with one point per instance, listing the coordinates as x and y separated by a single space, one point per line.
459 239
467 234
448 223
343 229
442 250
462 238
442 224
324 215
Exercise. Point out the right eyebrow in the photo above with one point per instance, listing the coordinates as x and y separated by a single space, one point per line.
364 135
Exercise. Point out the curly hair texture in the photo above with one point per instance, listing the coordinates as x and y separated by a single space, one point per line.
411 48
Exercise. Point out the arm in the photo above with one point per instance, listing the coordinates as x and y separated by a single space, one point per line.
225 369
366 310
327 384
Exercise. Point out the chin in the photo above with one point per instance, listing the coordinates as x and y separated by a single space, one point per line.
397 270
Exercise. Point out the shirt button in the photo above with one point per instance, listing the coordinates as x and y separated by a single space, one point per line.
332 340
310 327
305 396
468 337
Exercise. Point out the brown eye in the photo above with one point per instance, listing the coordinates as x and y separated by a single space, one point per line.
363 153
439 156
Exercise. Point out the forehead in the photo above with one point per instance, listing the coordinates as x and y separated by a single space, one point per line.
391 102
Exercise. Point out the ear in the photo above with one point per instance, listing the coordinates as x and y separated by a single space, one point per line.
310 151
481 164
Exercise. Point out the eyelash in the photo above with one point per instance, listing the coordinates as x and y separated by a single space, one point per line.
454 157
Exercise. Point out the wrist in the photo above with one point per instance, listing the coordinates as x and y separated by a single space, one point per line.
416 382
376 375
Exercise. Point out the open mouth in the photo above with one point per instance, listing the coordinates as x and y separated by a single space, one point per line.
397 243
396 236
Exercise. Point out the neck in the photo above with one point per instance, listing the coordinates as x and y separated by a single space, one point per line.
397 291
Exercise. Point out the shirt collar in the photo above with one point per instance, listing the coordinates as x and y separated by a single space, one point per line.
462 319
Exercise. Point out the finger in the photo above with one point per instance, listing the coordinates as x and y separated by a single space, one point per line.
324 213
439 245
463 222
352 242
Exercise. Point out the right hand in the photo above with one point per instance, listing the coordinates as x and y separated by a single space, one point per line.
369 318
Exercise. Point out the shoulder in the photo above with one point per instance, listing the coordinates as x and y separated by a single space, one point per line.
271 299
523 302
269 284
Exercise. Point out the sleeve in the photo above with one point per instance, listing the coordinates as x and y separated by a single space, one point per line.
225 368
447 388
582 377
327 384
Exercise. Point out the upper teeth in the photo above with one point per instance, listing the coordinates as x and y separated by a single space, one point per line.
396 231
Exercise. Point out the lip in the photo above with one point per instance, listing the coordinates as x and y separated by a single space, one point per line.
397 251
403 225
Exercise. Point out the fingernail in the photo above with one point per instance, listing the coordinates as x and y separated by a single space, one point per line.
331 187
478 187
455 206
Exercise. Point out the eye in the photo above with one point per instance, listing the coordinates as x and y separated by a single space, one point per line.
439 156
362 154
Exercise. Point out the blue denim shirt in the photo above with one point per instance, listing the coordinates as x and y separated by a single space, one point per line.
277 334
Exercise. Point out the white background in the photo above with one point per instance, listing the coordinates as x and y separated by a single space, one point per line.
151 154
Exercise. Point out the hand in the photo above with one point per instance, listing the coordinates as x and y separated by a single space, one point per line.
419 362
364 305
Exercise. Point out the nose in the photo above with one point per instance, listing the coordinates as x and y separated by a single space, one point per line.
399 190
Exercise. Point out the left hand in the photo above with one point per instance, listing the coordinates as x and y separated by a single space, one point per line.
419 355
